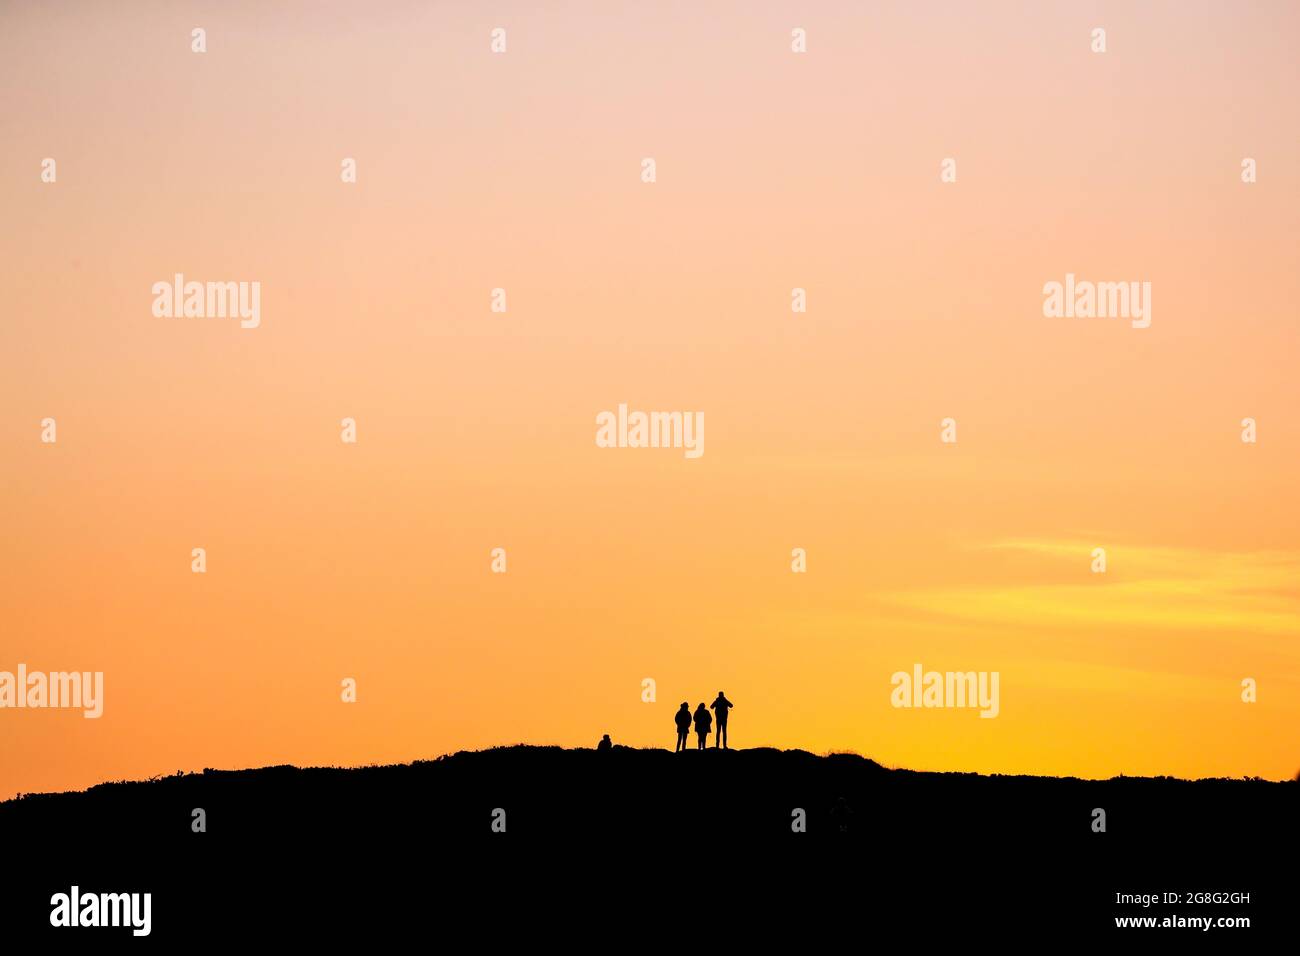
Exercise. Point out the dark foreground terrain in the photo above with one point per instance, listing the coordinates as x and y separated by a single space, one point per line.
632 837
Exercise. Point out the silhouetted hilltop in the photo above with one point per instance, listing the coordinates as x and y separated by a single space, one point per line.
618 835
551 792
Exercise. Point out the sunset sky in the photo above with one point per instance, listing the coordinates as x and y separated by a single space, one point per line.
476 429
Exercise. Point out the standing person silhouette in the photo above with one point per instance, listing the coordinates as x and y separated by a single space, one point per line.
683 726
720 707
703 724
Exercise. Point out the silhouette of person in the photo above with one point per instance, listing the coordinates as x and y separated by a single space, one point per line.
605 744
720 707
683 726
703 724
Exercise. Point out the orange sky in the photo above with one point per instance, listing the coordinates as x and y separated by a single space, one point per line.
476 429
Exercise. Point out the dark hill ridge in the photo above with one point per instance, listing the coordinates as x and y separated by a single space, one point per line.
637 837
571 794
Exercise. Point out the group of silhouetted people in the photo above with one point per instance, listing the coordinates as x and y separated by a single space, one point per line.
704 722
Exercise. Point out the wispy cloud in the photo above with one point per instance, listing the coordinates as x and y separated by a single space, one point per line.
1143 587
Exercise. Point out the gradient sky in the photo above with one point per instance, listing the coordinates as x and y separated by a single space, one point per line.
476 430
